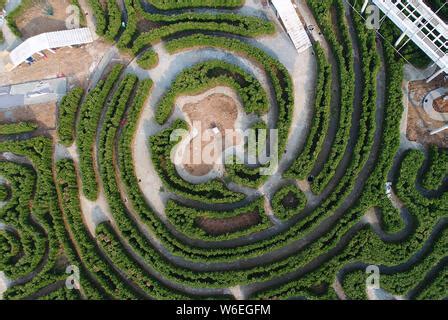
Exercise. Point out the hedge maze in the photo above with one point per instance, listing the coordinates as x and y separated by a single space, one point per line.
309 231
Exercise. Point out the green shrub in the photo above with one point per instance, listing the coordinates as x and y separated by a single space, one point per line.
17 128
437 169
131 26
304 163
288 201
4 192
180 4
67 115
148 60
114 20
100 16
89 116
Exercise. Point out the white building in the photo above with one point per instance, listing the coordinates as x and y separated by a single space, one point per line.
421 25
45 41
294 27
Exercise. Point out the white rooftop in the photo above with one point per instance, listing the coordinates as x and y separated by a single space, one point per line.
50 40
427 30
292 23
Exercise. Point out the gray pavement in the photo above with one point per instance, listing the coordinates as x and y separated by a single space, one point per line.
35 92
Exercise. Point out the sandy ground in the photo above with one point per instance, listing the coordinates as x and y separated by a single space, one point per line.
94 212
216 111
74 63
441 105
37 18
42 114
380 294
228 225
4 284
419 123
237 292
339 290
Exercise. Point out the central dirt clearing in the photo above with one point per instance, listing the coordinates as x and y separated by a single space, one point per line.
216 111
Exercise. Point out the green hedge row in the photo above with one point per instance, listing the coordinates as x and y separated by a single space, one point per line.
131 25
427 212
89 116
436 290
288 201
185 219
89 253
100 16
113 20
181 4
47 214
244 22
156 35
122 259
250 176
209 74
67 115
209 192
341 45
16 214
373 191
303 165
437 170
4 192
17 128
128 228
61 294
10 248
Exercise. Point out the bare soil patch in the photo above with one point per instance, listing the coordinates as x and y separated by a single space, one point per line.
44 115
216 227
43 16
215 111
74 63
441 104
290 201
419 124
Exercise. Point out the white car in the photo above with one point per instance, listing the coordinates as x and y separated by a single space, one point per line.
388 189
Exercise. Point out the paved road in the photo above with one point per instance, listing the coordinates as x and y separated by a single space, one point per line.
34 92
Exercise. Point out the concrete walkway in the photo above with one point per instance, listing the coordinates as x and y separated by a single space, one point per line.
428 104
29 93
